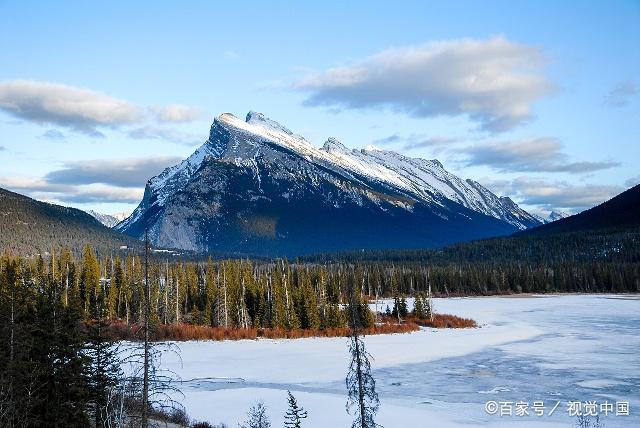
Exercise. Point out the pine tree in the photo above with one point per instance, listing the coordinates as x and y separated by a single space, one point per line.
387 311
103 371
293 417
89 279
418 307
55 359
361 386
210 294
257 417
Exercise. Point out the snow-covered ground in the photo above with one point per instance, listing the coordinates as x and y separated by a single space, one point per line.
549 349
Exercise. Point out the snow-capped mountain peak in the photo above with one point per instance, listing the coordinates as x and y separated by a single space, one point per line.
109 220
380 176
372 148
332 145
259 119
557 215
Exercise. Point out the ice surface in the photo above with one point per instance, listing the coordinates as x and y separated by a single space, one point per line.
552 349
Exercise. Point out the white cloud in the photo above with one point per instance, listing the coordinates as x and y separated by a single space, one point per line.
94 194
416 141
128 172
163 133
553 195
76 108
495 81
176 113
537 155
89 111
20 183
118 180
42 189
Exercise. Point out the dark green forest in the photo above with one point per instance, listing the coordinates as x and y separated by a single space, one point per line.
590 261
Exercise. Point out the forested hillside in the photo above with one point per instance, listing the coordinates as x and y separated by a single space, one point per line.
620 212
30 227
602 261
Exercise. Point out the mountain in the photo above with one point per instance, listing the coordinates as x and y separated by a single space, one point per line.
256 187
556 215
108 220
30 227
620 212
552 216
608 233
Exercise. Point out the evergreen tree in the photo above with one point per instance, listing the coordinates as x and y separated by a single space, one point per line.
361 386
103 371
419 310
294 416
90 279
257 417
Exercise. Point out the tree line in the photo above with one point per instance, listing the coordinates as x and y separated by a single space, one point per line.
60 366
228 293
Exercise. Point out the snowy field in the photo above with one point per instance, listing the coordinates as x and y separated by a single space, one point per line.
549 349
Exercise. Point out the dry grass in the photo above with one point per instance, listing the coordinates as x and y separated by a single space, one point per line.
183 332
448 321
439 321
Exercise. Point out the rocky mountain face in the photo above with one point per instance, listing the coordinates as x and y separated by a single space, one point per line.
255 187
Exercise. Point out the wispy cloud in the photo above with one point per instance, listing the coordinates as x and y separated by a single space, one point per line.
621 95
415 141
120 180
163 133
80 109
96 194
633 181
534 155
495 82
553 195
176 113
52 134
129 172
88 111
43 190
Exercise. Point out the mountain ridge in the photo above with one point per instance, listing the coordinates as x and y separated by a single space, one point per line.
370 175
621 211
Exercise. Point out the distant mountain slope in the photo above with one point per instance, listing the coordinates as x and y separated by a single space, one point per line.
623 211
109 220
256 187
608 232
30 227
555 216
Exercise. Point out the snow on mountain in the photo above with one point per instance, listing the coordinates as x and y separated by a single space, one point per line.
109 220
257 142
556 215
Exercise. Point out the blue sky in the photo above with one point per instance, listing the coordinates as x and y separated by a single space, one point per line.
539 101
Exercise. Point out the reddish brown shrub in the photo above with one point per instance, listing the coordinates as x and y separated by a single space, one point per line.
448 321
183 332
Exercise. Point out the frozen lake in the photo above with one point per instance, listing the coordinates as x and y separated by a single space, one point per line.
537 349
